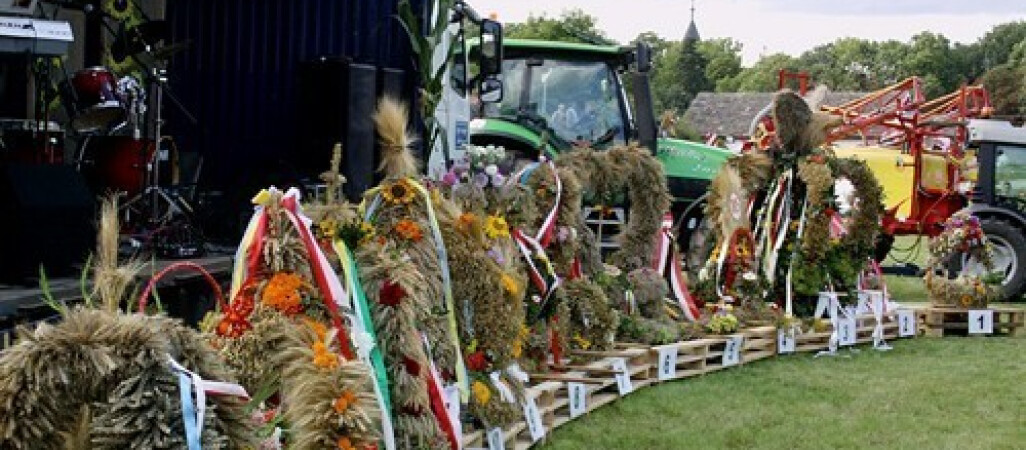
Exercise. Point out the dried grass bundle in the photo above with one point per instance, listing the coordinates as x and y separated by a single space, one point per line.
390 120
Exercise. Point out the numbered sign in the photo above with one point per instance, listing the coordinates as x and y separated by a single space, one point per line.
732 350
846 331
906 323
533 418
578 399
623 377
667 363
981 321
863 305
496 441
785 341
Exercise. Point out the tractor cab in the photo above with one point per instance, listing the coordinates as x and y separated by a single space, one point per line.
570 93
999 198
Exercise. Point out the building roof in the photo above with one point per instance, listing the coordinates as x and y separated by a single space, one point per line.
731 113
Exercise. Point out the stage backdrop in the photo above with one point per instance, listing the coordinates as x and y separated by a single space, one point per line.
272 84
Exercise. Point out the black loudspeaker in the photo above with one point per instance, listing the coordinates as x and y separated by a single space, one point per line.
359 149
322 114
47 217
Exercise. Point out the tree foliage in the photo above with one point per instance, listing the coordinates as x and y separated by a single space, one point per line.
573 25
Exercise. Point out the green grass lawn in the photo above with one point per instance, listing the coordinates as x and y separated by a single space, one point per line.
957 393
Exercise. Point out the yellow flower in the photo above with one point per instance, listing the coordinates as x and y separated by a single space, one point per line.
581 342
481 393
367 230
518 344
967 300
401 192
510 285
496 227
327 228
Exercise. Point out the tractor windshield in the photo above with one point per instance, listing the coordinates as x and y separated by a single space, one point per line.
578 100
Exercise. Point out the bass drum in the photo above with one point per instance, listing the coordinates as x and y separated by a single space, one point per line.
118 163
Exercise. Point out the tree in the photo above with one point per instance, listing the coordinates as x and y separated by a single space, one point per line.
1006 85
574 25
762 77
692 66
723 60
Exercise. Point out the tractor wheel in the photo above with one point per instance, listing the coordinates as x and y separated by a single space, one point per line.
1009 248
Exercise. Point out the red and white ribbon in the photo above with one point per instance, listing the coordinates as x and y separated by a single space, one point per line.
544 236
666 251
546 281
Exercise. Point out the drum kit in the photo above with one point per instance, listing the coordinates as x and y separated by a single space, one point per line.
120 148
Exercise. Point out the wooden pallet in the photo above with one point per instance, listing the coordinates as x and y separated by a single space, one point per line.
941 322
865 324
812 341
760 343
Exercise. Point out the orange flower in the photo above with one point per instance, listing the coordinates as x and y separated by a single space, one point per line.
409 230
466 222
343 402
319 328
345 444
967 300
282 293
323 357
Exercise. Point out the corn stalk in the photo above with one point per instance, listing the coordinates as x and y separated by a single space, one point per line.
431 84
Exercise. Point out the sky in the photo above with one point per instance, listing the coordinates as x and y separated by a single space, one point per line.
772 26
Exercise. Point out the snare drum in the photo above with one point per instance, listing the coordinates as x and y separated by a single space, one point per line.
96 105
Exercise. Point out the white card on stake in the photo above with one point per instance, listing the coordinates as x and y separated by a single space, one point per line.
623 377
668 363
981 321
785 341
578 399
846 331
534 422
732 350
906 323
496 441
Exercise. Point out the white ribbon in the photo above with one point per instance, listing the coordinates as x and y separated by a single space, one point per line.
202 387
504 391
517 373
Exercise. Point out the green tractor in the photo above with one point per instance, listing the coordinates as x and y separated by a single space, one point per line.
559 95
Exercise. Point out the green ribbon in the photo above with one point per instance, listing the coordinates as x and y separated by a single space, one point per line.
363 313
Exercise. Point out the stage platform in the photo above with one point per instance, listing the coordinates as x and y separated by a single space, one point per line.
184 294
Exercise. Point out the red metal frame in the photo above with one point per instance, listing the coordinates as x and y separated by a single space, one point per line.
902 107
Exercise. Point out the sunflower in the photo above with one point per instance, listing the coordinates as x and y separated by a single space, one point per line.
496 227
481 393
409 230
400 192
967 300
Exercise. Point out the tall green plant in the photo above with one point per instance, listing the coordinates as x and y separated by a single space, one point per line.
424 43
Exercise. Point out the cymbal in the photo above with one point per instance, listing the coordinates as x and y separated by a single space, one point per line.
167 51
